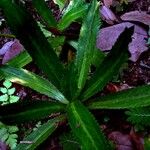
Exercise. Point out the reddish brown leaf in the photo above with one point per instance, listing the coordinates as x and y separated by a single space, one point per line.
122 141
138 16
137 140
6 47
108 15
108 36
108 3
12 50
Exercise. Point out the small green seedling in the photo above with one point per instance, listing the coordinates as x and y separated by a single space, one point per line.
8 135
8 96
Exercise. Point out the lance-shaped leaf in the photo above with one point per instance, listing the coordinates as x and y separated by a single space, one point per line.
32 38
45 13
35 82
20 60
110 65
34 139
86 45
85 127
132 98
29 110
72 15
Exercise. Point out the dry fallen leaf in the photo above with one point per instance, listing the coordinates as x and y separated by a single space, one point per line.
108 15
108 3
138 16
108 36
122 141
6 47
12 49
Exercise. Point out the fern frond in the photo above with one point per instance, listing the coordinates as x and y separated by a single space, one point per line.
139 116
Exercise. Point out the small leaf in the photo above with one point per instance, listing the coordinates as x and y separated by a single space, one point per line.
11 91
7 84
12 129
3 131
4 137
13 99
3 90
3 98
11 141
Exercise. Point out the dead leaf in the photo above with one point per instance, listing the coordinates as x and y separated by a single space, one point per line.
137 140
108 36
12 50
122 141
3 146
138 16
108 3
6 47
108 15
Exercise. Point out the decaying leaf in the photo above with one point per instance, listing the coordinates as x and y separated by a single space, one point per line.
108 3
6 47
10 50
122 141
108 15
108 36
138 16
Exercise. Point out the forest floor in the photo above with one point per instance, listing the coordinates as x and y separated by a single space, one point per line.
135 73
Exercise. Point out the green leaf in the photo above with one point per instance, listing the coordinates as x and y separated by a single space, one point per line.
13 99
37 83
45 32
39 135
131 98
147 143
110 65
12 141
56 41
27 111
34 41
85 127
20 60
12 129
72 15
4 136
7 84
86 44
98 57
45 13
7 135
3 98
3 133
11 91
60 3
139 116
68 142
3 90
